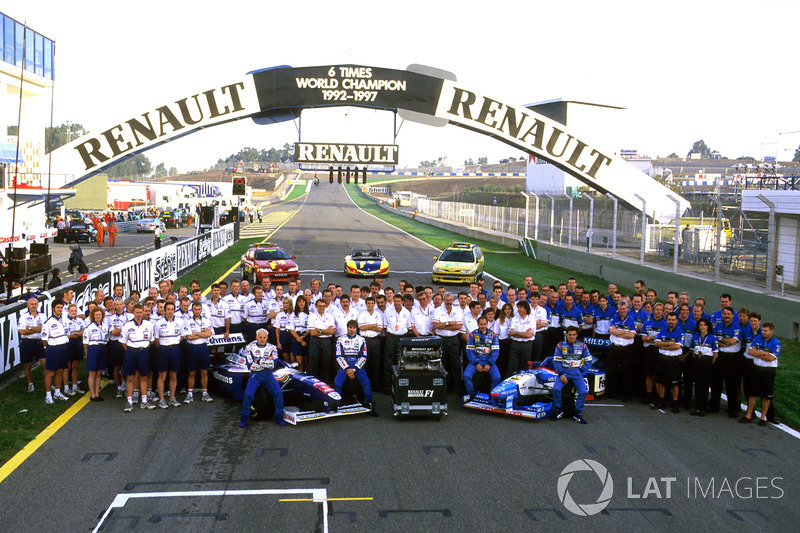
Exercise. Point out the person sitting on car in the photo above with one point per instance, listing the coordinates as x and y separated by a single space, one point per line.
570 360
260 358
483 348
351 354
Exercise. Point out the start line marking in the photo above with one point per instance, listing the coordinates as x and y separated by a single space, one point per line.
318 496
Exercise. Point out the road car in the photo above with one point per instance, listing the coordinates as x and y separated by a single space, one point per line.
80 231
461 262
528 393
298 389
268 260
149 224
365 262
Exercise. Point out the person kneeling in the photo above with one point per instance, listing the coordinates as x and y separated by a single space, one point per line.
483 347
261 356
571 360
351 354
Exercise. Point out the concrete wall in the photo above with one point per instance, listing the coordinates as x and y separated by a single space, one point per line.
90 194
784 312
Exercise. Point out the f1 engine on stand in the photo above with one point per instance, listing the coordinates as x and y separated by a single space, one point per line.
419 381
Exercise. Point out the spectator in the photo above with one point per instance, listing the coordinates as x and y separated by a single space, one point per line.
56 280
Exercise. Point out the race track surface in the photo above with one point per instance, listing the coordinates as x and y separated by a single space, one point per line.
194 469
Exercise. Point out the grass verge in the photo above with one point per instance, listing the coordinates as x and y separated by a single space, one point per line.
512 266
25 414
211 270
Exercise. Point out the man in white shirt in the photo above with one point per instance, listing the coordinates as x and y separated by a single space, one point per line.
136 336
447 322
30 330
398 323
355 299
168 332
198 331
539 315
343 316
471 320
522 332
54 336
235 302
370 326
422 316
255 313
321 327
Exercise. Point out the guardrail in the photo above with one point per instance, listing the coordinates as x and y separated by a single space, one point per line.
139 274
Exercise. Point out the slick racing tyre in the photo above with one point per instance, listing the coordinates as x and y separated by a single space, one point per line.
263 407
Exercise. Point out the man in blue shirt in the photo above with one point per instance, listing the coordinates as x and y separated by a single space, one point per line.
670 344
725 300
765 351
587 316
687 325
571 359
651 328
620 353
729 338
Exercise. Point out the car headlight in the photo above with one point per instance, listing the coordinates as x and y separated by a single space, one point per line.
293 269
264 269
438 270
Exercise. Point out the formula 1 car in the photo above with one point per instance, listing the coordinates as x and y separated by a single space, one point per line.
366 263
298 388
528 393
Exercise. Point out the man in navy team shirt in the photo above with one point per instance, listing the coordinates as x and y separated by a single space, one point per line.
729 338
687 325
765 351
725 300
587 315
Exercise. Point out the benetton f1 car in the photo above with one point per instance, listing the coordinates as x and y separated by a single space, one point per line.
366 263
298 388
528 393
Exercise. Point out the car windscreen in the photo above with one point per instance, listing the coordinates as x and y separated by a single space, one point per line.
457 256
266 255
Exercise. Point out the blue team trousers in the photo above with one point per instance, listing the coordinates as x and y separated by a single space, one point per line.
262 377
580 389
470 371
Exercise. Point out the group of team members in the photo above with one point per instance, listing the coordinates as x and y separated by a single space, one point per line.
666 351
663 351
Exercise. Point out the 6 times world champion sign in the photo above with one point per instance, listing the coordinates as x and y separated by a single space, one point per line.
374 154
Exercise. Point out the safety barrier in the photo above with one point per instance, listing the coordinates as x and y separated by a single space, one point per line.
139 274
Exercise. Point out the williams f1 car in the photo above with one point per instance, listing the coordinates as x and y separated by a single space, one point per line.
528 393
366 263
298 388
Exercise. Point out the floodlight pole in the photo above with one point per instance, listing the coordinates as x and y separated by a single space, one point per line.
614 229
527 207
536 218
569 231
644 228
719 236
552 215
591 223
677 231
771 243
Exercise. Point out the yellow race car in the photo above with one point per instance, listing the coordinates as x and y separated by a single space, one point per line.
366 263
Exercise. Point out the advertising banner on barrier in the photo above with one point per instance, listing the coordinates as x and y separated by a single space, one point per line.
9 335
139 274
221 238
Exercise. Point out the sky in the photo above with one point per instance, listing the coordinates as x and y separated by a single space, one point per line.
724 72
